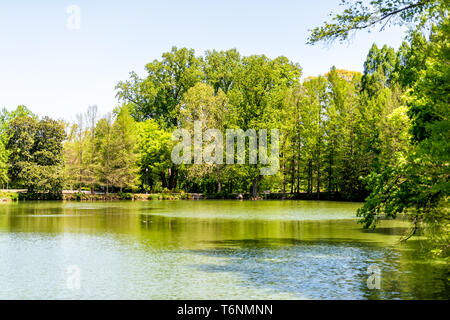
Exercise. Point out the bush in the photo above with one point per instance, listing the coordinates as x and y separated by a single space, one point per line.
57 195
125 196
9 195
79 196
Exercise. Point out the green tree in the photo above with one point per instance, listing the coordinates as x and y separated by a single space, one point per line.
360 15
158 95
255 96
221 69
379 69
90 163
409 179
124 136
412 56
341 120
314 130
201 103
36 155
3 164
154 157
106 153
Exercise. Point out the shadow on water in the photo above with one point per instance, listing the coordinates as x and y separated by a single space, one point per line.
394 231
326 268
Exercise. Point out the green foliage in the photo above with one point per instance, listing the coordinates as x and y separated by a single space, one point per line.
162 90
3 164
410 145
381 135
14 196
202 103
221 68
6 117
379 69
36 155
360 15
124 137
106 147
125 196
154 159
412 56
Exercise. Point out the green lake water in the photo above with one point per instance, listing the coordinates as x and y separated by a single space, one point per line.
208 250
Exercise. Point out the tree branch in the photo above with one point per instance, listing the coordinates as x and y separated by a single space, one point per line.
393 13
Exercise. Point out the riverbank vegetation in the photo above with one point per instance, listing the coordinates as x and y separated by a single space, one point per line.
414 180
379 136
8 196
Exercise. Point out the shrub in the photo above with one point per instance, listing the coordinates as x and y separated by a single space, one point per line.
125 196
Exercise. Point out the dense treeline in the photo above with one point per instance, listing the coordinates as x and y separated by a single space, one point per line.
335 129
381 135
414 180
331 125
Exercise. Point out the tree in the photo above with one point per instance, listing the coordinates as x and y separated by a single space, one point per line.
154 158
158 95
317 99
7 116
201 103
379 69
3 164
124 137
90 158
80 150
36 155
71 157
341 135
411 58
80 140
258 84
221 69
411 179
21 133
106 152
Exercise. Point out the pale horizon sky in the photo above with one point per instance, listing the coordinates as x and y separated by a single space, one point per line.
59 72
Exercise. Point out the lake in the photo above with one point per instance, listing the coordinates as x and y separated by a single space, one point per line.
208 250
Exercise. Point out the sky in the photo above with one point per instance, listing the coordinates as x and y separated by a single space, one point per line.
58 67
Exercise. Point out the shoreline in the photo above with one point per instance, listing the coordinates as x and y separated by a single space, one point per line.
87 196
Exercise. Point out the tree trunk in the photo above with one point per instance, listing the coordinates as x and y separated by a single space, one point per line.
284 177
163 180
318 171
172 177
255 188
318 176
292 177
330 170
310 177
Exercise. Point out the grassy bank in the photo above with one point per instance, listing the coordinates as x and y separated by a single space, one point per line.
327 196
86 196
80 196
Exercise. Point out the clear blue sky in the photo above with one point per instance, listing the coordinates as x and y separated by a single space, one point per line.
58 72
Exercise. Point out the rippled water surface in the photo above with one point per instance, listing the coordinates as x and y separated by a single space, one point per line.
208 250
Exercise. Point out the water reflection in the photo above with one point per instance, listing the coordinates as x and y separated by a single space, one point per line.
209 250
